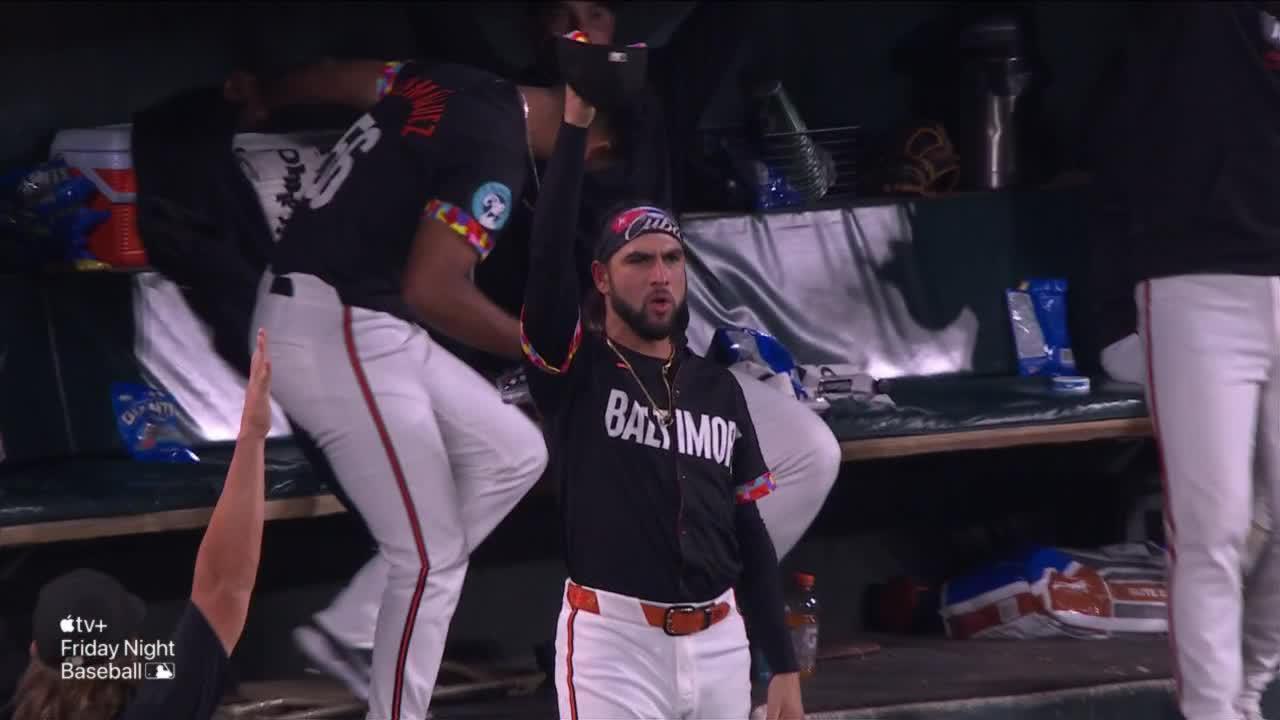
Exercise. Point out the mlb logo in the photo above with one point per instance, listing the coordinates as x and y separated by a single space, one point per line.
158 671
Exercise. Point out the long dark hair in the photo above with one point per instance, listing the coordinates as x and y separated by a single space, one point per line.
42 694
593 310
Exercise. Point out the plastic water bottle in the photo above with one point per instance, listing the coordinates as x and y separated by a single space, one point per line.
802 620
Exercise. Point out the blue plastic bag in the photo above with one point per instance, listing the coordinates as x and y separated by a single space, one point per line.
148 422
1038 317
773 191
730 345
44 208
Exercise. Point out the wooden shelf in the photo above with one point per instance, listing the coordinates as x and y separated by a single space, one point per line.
994 438
852 451
63 530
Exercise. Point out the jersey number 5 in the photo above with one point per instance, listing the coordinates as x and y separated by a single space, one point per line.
362 136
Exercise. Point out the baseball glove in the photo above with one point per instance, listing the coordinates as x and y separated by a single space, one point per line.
925 163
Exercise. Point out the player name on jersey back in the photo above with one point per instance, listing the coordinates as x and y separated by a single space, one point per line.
281 167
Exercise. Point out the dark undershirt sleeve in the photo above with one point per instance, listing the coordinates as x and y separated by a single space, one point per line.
760 587
760 591
198 672
550 321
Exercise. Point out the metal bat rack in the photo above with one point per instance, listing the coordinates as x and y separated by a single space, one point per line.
821 164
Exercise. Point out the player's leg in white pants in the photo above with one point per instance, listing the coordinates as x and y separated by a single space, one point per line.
801 451
352 616
357 381
1262 580
1211 346
496 454
611 668
1125 361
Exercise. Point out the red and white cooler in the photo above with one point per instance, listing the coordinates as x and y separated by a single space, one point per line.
102 155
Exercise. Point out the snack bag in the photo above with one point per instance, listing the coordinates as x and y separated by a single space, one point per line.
1038 317
44 208
1046 592
733 345
148 422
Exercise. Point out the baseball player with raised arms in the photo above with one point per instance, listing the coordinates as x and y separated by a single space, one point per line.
658 467
1201 128
655 132
383 243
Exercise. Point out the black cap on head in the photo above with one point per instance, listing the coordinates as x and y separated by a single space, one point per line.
83 606
276 39
629 223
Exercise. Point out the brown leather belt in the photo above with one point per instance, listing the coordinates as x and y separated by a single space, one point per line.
674 620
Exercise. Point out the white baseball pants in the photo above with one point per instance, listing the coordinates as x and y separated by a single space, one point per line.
801 451
613 665
1212 347
1126 361
426 450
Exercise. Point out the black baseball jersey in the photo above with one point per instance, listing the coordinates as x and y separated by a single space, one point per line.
190 683
445 142
661 495
654 510
1198 137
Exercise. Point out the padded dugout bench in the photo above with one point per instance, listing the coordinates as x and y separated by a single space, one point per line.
65 473
911 292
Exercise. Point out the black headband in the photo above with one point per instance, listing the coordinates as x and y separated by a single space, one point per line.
630 224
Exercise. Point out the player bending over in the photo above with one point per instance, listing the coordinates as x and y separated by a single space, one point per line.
382 244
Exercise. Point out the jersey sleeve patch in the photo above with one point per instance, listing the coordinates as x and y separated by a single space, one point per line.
755 489
462 223
388 79
537 360
491 205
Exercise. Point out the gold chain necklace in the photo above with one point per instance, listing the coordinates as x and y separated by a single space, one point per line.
528 143
666 417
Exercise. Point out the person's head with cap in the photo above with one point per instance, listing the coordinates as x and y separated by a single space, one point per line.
77 615
595 18
638 269
268 51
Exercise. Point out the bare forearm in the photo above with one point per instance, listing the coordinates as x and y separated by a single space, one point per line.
352 83
465 314
227 562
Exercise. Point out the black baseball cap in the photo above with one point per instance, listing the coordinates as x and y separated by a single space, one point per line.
629 223
98 608
607 76
275 40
